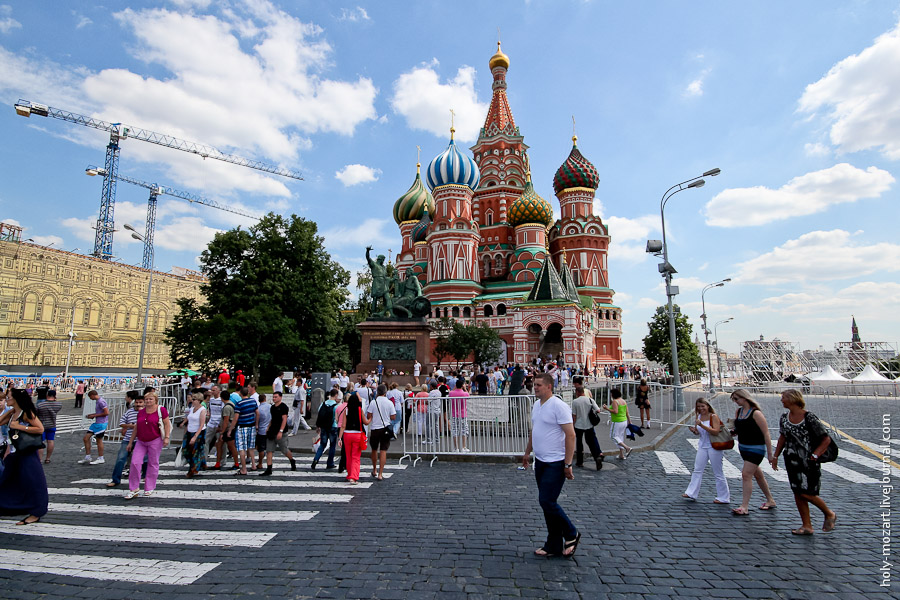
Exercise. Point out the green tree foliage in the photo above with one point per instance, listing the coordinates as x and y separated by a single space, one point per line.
442 328
273 300
186 341
478 341
658 348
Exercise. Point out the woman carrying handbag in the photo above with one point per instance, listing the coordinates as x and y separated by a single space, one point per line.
23 487
353 436
707 424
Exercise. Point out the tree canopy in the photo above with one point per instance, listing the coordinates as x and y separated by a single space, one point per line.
273 300
658 347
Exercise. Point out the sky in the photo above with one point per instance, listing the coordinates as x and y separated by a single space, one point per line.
798 103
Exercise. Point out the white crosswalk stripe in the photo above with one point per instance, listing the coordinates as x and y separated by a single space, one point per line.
671 463
868 462
141 536
728 469
106 568
249 482
305 461
203 514
845 473
208 495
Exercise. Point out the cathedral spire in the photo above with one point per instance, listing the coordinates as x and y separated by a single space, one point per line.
499 118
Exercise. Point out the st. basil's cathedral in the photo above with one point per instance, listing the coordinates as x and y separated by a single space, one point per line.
486 249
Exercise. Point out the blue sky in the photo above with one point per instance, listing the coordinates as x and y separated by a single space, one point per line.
798 103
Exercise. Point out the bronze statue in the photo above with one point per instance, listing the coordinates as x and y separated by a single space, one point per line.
403 299
381 286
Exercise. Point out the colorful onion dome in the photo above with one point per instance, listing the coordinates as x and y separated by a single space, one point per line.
410 205
452 167
530 207
499 59
577 171
420 229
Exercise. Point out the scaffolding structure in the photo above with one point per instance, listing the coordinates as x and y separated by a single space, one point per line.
772 361
849 358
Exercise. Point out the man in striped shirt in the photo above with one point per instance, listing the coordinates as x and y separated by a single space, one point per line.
247 410
127 423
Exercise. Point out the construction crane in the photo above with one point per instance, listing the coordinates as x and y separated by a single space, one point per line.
118 132
155 191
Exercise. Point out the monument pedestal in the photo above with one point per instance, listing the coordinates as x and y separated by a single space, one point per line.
398 344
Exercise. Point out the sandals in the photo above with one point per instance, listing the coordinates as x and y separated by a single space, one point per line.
570 546
801 531
828 525
543 553
25 521
686 497
740 512
767 506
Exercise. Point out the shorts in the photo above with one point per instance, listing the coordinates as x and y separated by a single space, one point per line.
245 438
98 429
280 445
226 437
260 442
752 454
379 439
459 426
49 434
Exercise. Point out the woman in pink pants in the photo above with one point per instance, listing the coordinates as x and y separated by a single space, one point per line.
152 433
352 436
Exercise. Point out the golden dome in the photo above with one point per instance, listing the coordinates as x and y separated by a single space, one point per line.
499 59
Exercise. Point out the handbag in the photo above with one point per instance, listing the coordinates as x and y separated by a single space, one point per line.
593 417
179 458
25 441
365 440
722 440
831 452
389 431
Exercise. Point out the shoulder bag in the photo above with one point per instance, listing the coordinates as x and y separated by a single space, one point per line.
365 439
593 415
25 441
722 440
389 431
831 453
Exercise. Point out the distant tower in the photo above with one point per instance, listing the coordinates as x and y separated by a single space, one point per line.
855 341
453 241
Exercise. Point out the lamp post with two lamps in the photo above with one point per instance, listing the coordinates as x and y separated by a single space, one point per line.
140 238
706 329
72 334
718 354
659 248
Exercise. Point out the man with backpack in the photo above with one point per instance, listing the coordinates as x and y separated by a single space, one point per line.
326 427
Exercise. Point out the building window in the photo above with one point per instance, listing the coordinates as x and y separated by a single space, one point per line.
94 316
456 311
29 311
487 266
501 310
467 312
458 208
120 318
162 320
47 309
488 310
490 218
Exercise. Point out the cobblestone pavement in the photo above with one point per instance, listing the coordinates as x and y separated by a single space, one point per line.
455 530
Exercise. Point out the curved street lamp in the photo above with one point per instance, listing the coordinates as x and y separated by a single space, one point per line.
706 329
718 354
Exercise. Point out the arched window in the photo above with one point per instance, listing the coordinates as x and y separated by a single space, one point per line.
151 323
79 313
488 310
162 320
467 312
446 314
490 217
501 310
499 263
615 316
94 316
487 266
47 309
29 309
133 318
456 311
120 317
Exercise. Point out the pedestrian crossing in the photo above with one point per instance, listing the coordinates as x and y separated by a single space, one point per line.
274 498
862 471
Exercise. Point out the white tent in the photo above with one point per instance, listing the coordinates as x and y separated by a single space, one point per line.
828 374
870 375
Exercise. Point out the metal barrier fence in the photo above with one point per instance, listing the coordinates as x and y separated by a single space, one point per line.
170 398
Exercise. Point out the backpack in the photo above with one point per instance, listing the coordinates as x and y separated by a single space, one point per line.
325 418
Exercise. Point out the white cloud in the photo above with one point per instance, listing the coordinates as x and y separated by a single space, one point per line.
804 195
11 222
817 149
82 20
819 256
867 300
368 233
188 233
80 228
694 88
48 240
354 14
190 4
425 102
629 237
861 94
357 174
7 23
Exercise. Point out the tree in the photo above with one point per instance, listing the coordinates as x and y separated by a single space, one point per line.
442 328
273 300
187 337
658 347
478 341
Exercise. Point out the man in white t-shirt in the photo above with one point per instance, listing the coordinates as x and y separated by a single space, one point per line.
553 440
185 384
381 410
417 370
278 384
396 396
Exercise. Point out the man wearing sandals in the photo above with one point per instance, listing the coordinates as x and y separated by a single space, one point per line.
553 440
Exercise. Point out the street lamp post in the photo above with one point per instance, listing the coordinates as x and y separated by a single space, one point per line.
706 329
72 334
140 238
667 270
718 355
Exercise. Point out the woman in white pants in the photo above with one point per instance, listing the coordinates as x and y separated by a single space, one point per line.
299 406
707 423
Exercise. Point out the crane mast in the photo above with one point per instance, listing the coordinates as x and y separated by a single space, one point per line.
117 131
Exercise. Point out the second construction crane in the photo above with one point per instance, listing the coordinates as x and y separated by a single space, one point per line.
118 132
155 192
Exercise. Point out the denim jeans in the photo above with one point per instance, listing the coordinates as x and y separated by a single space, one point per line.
550 478
592 443
324 438
121 461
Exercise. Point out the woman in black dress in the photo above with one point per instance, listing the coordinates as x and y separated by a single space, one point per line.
642 400
23 487
803 439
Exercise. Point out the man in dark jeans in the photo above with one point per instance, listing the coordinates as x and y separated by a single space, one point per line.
553 440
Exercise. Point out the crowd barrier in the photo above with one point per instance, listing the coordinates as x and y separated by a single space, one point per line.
169 398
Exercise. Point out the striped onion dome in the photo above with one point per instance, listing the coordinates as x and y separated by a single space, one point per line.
410 205
530 207
420 229
577 171
452 167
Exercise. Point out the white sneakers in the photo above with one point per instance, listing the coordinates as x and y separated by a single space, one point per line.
98 461
85 461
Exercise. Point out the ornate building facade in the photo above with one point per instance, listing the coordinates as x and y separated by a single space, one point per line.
44 292
486 248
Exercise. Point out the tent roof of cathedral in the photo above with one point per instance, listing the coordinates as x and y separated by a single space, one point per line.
548 287
565 277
